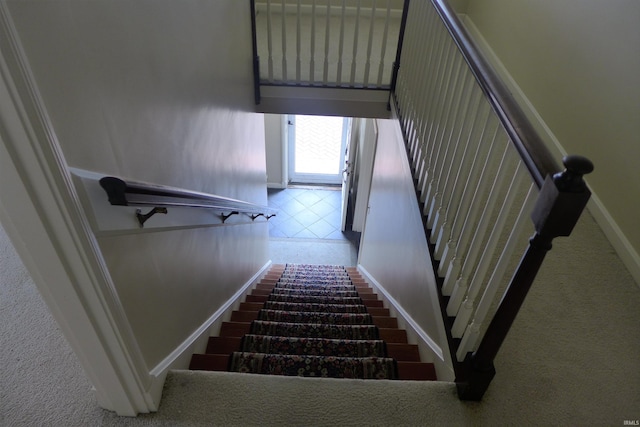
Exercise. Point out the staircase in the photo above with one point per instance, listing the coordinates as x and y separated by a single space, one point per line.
315 321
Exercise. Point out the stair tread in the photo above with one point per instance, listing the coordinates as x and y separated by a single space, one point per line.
227 345
407 371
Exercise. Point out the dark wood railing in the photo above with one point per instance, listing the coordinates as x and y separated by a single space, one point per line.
526 139
562 195
560 203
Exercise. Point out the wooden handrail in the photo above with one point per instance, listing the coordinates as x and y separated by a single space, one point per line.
531 147
129 193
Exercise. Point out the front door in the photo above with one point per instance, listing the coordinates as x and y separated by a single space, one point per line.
316 149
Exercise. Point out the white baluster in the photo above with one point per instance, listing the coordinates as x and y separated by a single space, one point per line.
429 62
458 147
415 68
454 187
418 114
431 107
483 120
341 44
312 64
471 338
459 291
454 267
327 39
440 97
444 165
298 44
492 242
427 65
355 45
462 318
481 228
385 39
367 66
269 41
284 43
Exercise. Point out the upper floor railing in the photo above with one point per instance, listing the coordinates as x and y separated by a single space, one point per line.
482 173
326 57
327 43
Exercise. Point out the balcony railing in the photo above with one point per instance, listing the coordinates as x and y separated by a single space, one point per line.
346 43
303 46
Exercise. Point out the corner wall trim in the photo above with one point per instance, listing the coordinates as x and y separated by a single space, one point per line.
42 215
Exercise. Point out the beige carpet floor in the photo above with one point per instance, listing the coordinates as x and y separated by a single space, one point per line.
572 358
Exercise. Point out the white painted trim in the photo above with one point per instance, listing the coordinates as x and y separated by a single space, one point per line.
627 253
324 101
441 360
625 250
284 149
204 329
43 217
321 93
277 185
367 147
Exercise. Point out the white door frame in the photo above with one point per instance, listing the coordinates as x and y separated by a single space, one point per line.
41 213
367 148
313 178
349 169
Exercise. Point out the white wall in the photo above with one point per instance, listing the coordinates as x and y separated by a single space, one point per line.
578 63
460 6
154 91
394 248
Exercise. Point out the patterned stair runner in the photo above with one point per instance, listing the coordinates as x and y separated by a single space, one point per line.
312 321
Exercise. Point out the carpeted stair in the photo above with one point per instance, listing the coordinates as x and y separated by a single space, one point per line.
314 321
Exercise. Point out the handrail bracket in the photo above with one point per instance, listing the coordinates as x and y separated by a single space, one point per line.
225 217
142 218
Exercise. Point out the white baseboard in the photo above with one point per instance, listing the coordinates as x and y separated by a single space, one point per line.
278 185
197 341
625 250
430 351
627 253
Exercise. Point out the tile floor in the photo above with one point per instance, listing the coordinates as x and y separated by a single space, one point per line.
308 213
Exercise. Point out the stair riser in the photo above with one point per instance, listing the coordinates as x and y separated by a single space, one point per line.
227 345
407 371
250 316
264 298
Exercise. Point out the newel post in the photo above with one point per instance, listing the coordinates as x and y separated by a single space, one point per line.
562 199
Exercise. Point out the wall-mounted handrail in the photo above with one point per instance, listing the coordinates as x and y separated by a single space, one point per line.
129 193
526 139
